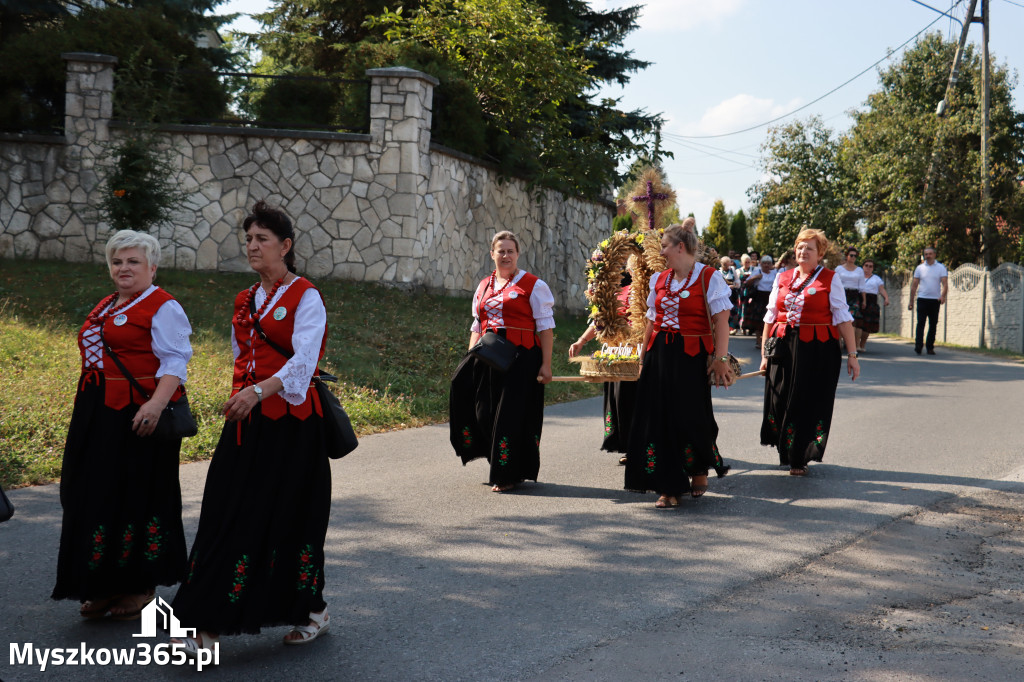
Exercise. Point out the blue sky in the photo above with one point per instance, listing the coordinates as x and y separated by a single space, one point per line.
725 65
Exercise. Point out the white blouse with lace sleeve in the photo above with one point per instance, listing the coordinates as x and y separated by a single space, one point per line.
170 331
307 335
718 291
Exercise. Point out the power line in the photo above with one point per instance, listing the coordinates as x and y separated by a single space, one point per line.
815 101
1016 4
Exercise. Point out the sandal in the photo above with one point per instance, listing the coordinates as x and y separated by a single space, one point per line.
503 487
666 502
129 607
622 461
97 608
798 471
192 645
319 622
698 489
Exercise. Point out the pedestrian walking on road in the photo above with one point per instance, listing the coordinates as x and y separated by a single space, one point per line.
929 288
498 413
674 434
807 314
871 312
258 557
121 534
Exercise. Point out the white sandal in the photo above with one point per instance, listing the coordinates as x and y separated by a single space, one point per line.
307 633
192 646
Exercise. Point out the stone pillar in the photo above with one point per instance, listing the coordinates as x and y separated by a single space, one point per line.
401 101
88 108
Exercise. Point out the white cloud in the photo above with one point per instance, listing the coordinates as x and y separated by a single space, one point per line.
736 113
676 15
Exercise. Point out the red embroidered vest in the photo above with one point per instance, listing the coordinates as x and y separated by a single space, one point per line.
133 343
265 360
511 310
692 313
816 316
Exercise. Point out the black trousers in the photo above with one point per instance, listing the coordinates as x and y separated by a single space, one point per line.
927 310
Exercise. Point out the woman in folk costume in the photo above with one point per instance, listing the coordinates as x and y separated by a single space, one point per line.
674 433
122 534
619 396
807 313
494 414
258 557
871 312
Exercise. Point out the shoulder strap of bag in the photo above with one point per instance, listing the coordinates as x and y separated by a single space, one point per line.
120 365
319 375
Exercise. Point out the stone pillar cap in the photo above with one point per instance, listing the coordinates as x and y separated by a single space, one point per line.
88 57
401 72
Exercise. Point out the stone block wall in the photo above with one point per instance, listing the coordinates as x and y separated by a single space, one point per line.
983 308
386 207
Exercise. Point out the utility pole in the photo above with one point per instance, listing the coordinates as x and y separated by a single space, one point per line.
986 197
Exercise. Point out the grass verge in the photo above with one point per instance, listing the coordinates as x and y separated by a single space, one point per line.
394 352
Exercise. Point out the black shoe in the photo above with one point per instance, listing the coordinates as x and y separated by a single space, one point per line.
917 350
931 351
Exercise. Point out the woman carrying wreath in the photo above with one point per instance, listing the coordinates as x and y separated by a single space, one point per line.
122 534
619 396
494 414
258 556
807 314
674 433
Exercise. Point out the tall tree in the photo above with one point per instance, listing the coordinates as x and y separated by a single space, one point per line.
803 186
717 234
897 136
738 240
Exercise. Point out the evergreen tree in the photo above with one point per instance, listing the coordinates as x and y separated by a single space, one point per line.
738 240
716 234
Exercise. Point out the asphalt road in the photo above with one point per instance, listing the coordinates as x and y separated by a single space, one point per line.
859 571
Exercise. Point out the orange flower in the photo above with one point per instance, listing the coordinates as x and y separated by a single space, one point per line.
119 193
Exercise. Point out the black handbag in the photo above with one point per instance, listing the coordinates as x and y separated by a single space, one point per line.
176 421
341 437
774 349
6 507
339 434
495 351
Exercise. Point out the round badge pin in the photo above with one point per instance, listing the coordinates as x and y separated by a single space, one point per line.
513 294
811 291
120 320
280 312
685 294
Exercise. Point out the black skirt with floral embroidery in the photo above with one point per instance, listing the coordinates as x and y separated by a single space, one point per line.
619 401
799 395
121 532
499 416
258 557
674 433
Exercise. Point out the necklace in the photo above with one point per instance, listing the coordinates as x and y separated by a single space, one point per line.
806 281
98 318
245 317
682 293
503 286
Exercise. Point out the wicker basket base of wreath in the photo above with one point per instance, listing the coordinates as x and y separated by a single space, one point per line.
598 370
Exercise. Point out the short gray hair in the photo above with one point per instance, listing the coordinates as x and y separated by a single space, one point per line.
130 239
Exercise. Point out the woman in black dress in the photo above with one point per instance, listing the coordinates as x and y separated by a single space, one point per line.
499 415
122 534
258 557
674 434
807 314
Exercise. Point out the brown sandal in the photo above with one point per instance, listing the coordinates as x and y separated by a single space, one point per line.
97 608
130 605
698 489
798 471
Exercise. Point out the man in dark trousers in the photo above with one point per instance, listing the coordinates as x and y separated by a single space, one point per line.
931 282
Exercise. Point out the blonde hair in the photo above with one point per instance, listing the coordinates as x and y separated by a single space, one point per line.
817 236
130 239
685 234
505 234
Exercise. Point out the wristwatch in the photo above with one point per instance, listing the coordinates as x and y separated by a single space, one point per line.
259 392
854 354
724 358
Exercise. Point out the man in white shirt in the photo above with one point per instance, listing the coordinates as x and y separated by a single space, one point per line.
931 282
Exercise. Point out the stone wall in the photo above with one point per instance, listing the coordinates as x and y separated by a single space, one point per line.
984 309
388 206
